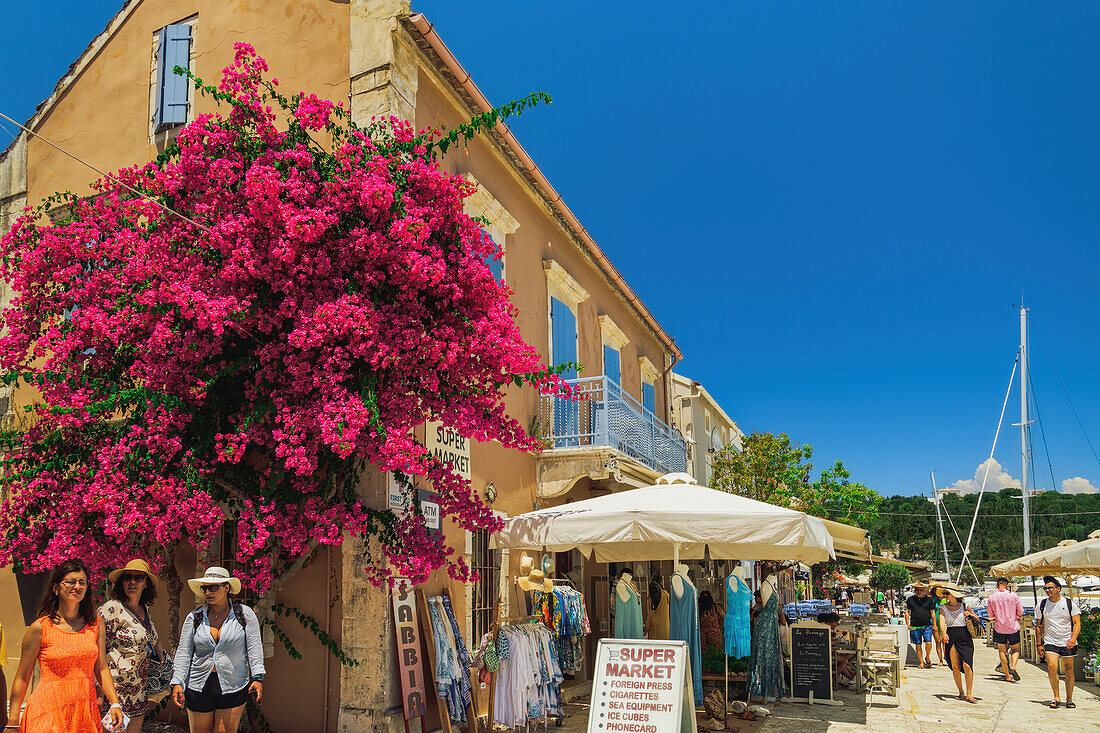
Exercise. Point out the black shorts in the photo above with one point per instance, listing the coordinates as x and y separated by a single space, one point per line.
1011 639
212 698
1060 650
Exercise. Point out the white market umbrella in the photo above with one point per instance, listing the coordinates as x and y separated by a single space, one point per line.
673 518
1067 557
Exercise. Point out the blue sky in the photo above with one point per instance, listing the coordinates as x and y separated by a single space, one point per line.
832 209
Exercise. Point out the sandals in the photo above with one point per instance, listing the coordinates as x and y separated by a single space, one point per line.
972 700
1071 704
960 697
1054 704
1015 675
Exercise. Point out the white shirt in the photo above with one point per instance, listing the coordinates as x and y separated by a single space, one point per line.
1057 623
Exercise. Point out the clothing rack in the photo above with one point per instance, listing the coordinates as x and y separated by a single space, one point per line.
510 621
429 638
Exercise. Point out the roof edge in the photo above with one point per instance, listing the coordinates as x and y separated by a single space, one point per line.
427 30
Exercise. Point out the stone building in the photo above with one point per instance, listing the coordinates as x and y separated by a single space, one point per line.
705 425
114 108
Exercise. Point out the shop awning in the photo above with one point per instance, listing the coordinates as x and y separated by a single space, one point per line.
917 569
1068 557
852 543
674 515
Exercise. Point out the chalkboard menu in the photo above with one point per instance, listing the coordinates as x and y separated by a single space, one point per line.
811 655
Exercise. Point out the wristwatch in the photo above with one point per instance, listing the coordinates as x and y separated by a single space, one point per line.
257 678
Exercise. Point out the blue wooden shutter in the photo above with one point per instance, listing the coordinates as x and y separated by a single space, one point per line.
611 365
175 50
649 396
564 334
496 266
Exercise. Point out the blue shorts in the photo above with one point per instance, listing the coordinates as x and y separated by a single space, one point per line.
917 634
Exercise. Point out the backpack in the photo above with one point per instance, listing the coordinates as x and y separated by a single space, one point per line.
196 617
1043 609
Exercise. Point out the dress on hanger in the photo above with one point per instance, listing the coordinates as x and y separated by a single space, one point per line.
628 614
684 625
766 677
738 631
658 618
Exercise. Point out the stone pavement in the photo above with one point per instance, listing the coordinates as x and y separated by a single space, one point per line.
926 704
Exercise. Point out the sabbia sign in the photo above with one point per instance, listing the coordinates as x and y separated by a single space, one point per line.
642 686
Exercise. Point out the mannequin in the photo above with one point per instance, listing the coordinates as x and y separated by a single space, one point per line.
680 577
736 624
628 609
658 609
766 678
684 624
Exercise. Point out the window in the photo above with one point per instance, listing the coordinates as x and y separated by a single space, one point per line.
707 413
173 49
649 397
612 368
485 561
495 265
498 223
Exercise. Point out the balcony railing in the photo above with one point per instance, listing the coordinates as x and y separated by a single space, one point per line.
604 415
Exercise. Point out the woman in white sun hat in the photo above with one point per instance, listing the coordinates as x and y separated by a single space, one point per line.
219 661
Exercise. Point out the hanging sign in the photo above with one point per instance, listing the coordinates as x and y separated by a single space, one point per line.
429 507
409 665
811 662
449 447
642 686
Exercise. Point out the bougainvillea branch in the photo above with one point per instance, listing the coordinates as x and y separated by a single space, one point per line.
334 298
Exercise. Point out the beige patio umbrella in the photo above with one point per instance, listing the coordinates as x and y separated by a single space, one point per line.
1068 557
672 519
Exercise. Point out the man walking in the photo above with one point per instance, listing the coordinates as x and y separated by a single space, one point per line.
918 617
1005 610
1058 622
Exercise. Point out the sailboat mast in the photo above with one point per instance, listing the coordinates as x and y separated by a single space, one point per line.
939 520
1024 427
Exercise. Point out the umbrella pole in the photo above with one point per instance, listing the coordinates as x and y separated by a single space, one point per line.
726 698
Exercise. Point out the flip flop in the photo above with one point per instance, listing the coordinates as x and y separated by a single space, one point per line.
1053 704
972 700
1015 675
960 697
1071 704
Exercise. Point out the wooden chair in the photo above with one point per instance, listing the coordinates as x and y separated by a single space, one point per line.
878 663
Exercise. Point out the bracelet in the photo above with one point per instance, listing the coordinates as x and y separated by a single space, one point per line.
115 705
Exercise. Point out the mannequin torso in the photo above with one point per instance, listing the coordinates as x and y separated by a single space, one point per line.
768 588
680 580
624 586
737 574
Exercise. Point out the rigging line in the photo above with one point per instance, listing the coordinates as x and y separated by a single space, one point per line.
1042 432
989 461
965 559
107 175
1065 392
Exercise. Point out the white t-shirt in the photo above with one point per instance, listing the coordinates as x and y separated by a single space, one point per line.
1057 623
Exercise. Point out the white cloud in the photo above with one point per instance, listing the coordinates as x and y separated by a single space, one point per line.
1078 485
998 479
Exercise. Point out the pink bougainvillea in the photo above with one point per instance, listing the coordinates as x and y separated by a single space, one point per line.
315 293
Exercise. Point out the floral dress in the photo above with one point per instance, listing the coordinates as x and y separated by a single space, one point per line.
129 643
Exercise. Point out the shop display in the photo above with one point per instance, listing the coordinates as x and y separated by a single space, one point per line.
562 611
452 661
684 624
658 614
766 658
628 609
738 630
527 686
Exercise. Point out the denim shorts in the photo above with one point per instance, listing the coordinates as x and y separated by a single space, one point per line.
918 634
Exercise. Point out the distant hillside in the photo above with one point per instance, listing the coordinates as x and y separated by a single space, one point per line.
907 524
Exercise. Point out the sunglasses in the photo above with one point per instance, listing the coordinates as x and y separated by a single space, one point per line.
210 588
1048 588
133 577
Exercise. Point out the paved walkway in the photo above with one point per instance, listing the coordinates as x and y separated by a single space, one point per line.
926 704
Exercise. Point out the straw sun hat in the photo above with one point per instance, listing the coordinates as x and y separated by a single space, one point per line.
138 565
536 580
214 576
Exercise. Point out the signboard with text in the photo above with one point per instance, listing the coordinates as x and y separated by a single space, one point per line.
811 662
642 686
448 446
410 667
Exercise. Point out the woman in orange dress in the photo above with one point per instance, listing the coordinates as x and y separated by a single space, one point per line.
67 643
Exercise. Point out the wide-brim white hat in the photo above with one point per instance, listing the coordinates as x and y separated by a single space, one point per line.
212 576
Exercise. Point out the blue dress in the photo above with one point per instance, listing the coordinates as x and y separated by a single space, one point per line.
683 624
766 677
738 632
628 614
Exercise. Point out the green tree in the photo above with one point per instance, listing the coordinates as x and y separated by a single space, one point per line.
890 576
768 468
835 496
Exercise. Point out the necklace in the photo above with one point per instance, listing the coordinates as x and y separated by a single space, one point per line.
221 617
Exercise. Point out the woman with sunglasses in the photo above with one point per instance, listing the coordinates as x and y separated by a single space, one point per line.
216 694
131 636
66 640
959 646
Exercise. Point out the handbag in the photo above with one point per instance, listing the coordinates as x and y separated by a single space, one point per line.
157 674
975 627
